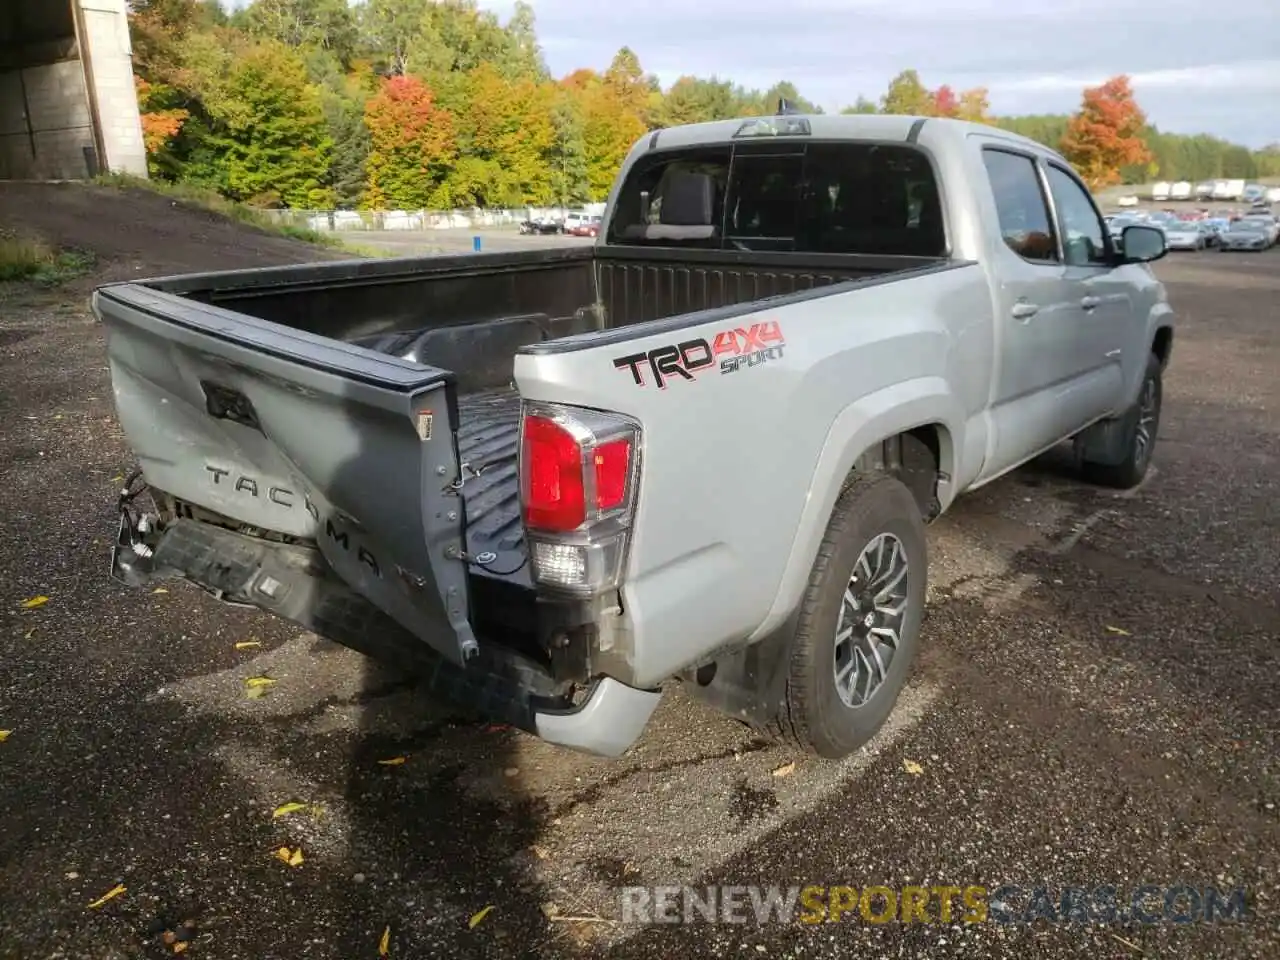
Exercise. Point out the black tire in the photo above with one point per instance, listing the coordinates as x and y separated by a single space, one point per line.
813 715
1130 472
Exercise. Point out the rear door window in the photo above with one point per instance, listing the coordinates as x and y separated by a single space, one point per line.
1021 206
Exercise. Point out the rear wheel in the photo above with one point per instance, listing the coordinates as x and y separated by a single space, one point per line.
860 619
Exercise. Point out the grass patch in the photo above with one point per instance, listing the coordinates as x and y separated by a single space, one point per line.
207 199
30 260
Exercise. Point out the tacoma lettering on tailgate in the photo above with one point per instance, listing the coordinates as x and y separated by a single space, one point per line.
736 349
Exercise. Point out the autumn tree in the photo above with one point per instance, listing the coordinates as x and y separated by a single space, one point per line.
506 139
1106 134
413 147
944 102
974 106
610 127
907 95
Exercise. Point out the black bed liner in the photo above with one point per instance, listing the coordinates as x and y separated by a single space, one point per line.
488 441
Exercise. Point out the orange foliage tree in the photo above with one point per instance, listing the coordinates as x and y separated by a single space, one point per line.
1106 134
159 125
412 147
945 102
609 130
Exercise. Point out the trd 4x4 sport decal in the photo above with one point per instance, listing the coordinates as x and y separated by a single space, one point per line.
736 349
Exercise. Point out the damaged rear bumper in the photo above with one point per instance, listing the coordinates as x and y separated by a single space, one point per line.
293 581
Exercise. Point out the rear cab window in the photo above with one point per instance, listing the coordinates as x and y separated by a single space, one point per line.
785 196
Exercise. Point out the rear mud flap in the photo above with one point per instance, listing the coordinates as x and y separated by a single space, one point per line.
295 583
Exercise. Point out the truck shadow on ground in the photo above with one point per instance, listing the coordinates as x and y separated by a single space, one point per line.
439 855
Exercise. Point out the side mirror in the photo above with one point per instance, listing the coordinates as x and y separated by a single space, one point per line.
1139 244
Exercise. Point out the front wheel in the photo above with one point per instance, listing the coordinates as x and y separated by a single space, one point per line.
1141 423
860 619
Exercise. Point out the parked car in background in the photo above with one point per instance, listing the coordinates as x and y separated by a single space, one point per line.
542 225
1216 227
584 227
1185 235
1253 193
1245 235
1269 224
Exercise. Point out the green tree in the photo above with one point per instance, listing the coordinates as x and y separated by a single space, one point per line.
570 182
861 105
270 127
325 24
786 90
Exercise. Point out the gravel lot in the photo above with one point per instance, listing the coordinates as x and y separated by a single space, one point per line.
1097 704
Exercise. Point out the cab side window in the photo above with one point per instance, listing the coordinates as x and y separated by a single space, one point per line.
1084 238
1025 224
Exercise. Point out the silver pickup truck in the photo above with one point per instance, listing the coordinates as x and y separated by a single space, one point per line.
703 449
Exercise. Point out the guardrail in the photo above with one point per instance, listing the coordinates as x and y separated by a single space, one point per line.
338 220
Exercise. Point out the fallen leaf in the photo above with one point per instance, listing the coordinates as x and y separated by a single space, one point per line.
253 682
393 761
159 590
541 852
912 767
29 634
180 946
295 859
785 770
255 693
111 894
34 602
116 479
550 910
476 918
292 857
1119 630
248 644
287 808
384 942
5 735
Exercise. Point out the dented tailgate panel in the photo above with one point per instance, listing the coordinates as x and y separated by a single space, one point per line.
292 433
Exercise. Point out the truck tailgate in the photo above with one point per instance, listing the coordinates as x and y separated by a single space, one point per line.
292 433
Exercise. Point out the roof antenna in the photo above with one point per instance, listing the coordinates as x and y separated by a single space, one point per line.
786 107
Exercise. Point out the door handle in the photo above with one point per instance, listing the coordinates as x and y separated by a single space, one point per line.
1088 303
1024 310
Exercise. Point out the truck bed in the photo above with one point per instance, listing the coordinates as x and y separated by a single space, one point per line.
488 441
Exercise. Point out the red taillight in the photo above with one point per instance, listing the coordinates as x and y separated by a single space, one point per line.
555 494
613 463
575 469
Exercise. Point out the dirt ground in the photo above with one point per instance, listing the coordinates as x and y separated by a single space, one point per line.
1097 704
137 233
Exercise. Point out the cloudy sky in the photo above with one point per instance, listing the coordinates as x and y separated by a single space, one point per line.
1196 65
